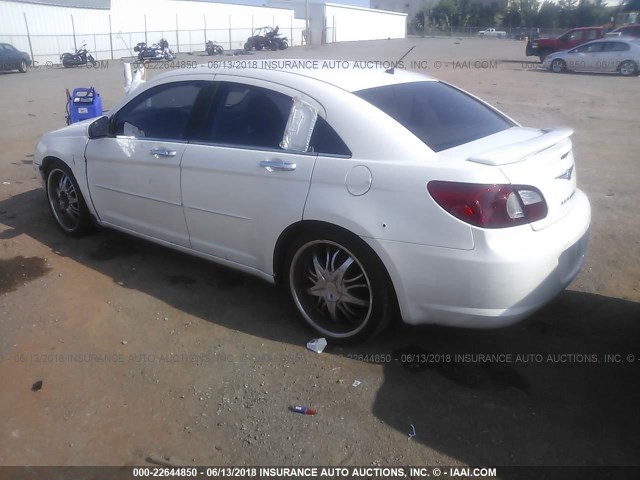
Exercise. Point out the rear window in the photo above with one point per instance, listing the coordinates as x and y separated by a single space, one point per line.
438 114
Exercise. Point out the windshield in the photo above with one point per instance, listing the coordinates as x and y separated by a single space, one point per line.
438 114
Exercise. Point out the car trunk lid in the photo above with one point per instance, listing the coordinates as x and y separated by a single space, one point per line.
539 158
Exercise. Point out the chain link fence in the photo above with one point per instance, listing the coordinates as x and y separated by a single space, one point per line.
117 45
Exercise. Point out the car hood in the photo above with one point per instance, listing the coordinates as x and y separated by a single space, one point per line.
78 129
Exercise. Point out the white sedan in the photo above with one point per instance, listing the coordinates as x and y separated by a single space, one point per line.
608 55
369 194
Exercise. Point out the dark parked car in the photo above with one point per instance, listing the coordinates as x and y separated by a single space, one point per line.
13 59
522 33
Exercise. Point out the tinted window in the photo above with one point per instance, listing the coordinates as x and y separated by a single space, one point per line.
592 34
615 47
162 112
590 48
438 114
324 139
245 115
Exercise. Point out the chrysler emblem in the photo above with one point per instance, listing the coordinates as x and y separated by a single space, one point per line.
566 175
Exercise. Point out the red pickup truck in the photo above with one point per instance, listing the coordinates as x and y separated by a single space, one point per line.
542 47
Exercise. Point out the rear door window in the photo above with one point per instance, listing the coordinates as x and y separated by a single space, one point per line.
438 114
247 116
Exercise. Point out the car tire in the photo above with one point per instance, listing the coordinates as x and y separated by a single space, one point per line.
339 285
558 66
65 200
22 68
628 68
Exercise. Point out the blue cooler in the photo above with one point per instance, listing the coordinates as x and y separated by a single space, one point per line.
84 103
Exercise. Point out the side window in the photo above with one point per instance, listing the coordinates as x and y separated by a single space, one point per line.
161 113
249 116
616 47
324 139
574 36
590 48
592 35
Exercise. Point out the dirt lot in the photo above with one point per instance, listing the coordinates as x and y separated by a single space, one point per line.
145 351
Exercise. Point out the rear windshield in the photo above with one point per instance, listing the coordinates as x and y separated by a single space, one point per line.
438 114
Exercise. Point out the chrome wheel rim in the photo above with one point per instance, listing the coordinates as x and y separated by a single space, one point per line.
557 66
331 288
63 199
627 68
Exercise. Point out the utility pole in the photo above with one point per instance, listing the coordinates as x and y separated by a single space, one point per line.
306 21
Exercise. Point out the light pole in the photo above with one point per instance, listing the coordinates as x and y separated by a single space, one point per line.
306 20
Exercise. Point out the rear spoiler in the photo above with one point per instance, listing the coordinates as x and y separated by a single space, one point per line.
518 152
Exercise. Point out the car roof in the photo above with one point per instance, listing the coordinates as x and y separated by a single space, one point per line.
346 75
631 25
612 39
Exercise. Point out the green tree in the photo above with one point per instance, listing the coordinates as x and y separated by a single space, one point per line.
547 16
512 17
445 13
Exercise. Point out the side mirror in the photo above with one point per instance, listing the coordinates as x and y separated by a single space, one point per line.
99 128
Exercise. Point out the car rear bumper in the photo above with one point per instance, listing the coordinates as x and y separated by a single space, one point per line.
508 275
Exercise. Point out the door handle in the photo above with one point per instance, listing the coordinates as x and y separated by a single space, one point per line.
277 165
162 152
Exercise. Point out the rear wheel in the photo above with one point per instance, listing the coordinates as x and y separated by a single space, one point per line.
65 201
628 68
558 66
340 287
22 68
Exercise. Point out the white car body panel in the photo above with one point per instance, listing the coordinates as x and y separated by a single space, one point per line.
602 61
218 203
133 189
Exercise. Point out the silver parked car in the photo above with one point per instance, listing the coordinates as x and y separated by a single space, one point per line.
608 55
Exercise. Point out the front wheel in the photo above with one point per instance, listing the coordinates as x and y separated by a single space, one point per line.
558 66
339 285
92 60
248 46
284 45
628 68
22 68
219 50
65 201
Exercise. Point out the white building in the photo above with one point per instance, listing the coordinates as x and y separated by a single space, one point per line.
110 28
348 20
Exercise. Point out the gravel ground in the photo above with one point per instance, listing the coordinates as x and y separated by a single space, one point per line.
144 351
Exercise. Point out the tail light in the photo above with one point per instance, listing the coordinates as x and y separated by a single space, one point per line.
490 206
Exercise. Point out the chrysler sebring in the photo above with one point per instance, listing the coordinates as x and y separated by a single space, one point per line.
368 194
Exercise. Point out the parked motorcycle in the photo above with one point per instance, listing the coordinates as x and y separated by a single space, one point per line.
266 37
80 57
213 48
157 51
